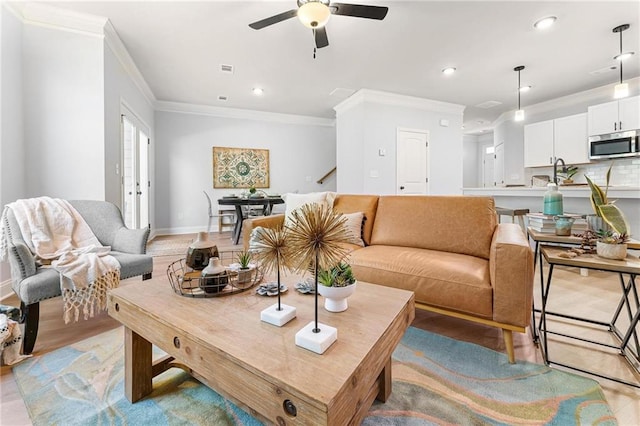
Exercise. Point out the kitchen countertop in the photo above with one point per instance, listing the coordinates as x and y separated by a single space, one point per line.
570 191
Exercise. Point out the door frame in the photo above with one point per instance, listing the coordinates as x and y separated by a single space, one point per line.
412 130
483 149
141 125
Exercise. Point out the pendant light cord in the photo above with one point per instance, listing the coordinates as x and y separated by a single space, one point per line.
621 54
518 89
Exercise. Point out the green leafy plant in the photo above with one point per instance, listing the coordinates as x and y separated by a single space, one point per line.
606 209
609 237
339 275
569 172
244 258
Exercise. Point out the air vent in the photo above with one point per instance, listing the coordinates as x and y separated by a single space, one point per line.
488 104
223 98
226 68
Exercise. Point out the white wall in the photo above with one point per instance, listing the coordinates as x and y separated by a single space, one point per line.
63 92
12 165
184 163
470 161
380 115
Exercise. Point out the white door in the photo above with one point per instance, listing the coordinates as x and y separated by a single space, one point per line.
135 173
498 165
487 166
411 162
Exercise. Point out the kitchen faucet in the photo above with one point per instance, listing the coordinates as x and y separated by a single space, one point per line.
555 169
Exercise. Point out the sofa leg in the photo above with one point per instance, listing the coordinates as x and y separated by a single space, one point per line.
146 276
508 342
30 318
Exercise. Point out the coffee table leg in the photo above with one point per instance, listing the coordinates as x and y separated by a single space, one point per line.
138 372
384 381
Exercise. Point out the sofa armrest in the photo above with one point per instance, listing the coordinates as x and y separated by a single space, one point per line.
265 221
511 271
21 261
132 241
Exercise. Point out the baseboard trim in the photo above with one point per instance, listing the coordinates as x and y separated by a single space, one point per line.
183 230
5 289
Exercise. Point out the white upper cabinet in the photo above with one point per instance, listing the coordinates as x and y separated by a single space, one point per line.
614 116
538 144
564 138
570 141
629 113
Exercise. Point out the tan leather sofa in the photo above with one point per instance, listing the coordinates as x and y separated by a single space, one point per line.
449 250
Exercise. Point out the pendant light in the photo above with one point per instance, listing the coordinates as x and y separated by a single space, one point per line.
520 112
621 89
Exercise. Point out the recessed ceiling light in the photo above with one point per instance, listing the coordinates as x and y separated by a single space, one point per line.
623 56
524 89
258 91
448 70
544 23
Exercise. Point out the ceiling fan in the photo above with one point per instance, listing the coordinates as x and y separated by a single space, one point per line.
315 14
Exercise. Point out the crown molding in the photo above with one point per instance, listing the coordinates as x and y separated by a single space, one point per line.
392 99
116 45
246 114
593 96
62 19
66 20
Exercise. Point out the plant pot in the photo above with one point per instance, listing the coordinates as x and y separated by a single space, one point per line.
611 251
245 275
596 223
335 298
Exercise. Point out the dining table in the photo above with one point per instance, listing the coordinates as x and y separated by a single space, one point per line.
267 203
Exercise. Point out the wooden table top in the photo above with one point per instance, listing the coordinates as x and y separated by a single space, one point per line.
630 265
545 237
377 316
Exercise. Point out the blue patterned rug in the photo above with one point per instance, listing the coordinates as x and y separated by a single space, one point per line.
436 380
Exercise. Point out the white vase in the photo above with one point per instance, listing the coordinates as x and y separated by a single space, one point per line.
214 276
611 251
335 298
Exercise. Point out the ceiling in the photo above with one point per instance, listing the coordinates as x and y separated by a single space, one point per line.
179 46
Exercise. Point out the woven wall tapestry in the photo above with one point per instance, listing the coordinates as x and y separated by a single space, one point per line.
240 168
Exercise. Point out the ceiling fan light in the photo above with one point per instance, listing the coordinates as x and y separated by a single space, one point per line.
544 23
621 91
623 56
314 14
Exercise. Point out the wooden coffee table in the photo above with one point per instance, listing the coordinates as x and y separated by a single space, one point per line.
223 343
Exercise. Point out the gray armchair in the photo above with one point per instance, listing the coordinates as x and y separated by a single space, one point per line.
33 283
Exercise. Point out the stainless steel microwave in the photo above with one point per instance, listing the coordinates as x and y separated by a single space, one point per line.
615 145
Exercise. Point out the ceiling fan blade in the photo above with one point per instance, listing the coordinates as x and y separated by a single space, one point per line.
320 35
359 10
274 19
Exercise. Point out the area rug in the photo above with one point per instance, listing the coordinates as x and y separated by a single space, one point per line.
168 247
436 380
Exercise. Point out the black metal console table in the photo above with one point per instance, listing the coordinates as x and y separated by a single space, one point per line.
628 270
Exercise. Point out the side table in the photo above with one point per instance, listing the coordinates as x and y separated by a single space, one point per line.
629 345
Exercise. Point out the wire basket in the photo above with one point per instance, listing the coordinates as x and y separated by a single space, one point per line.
188 282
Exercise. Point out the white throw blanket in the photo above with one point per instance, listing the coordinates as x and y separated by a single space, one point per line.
55 232
10 341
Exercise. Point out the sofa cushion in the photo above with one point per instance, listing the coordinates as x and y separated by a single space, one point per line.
448 280
455 224
367 204
295 201
354 227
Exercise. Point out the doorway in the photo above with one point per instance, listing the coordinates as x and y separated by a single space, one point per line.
412 159
487 165
135 171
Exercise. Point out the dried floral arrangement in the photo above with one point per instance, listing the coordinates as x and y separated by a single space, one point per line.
315 237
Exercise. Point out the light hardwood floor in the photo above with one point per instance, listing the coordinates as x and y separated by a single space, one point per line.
595 296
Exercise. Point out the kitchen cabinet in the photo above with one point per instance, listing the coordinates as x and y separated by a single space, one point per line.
614 116
564 137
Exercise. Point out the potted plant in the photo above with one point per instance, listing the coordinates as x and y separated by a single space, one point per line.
245 271
336 284
568 174
612 238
